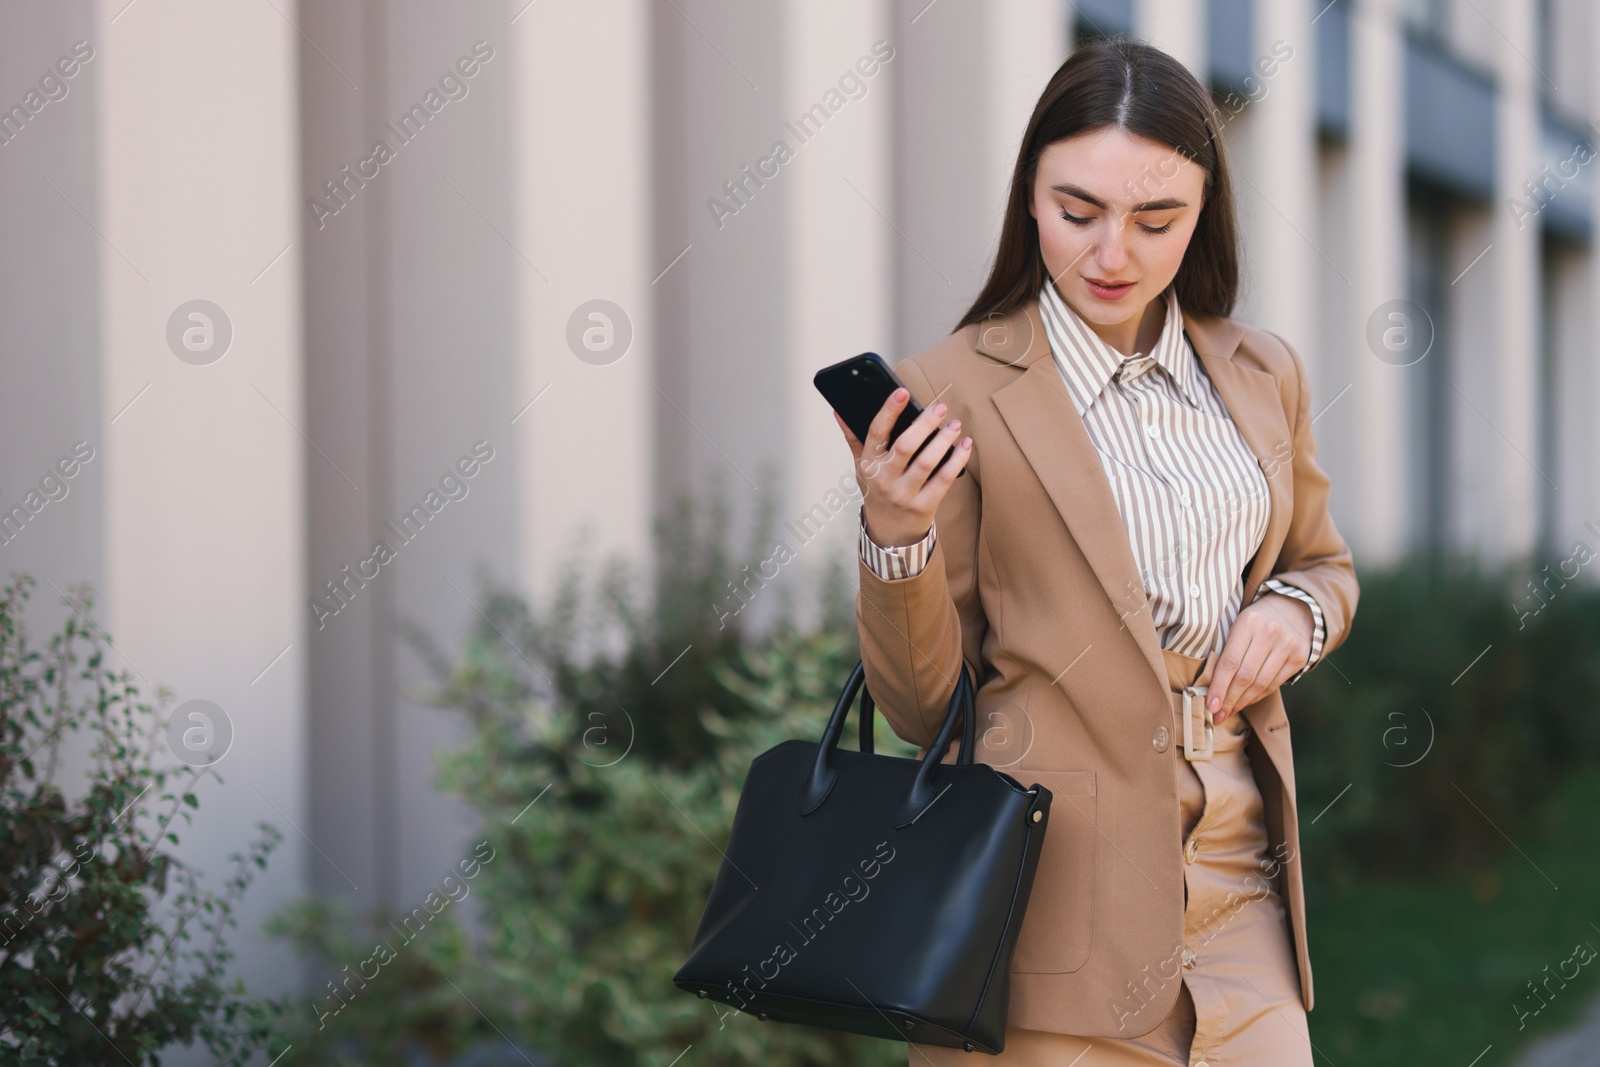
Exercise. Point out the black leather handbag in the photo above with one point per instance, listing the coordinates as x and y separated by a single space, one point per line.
874 894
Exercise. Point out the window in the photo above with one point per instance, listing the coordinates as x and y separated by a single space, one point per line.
1429 17
1430 471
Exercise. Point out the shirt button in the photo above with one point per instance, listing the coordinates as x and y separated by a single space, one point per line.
1201 1063
1160 741
1191 850
1184 500
1152 430
1188 959
1194 589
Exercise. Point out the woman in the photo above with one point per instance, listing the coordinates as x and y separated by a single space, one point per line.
1139 557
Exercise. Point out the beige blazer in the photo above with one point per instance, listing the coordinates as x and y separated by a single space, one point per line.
1033 582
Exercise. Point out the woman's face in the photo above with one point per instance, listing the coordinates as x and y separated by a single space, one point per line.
1114 208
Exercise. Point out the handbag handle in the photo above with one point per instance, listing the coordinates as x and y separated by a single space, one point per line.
819 783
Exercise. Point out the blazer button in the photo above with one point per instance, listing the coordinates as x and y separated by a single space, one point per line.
1161 740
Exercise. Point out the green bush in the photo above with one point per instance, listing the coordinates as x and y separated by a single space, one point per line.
98 919
620 857
625 655
417 1008
607 793
592 899
1448 714
611 736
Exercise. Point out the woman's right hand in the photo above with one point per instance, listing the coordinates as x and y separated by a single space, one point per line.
900 496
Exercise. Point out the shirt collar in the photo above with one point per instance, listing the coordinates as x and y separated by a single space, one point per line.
1088 363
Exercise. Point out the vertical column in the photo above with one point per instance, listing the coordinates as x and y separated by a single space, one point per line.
586 278
406 205
1177 27
946 211
347 409
50 303
1285 281
203 464
1570 293
447 324
723 178
1508 387
843 55
1584 439
1026 44
1574 440
1376 209
957 142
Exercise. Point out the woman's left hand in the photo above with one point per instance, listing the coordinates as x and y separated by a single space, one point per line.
1268 642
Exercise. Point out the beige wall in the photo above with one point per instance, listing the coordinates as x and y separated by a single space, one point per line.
372 348
50 369
204 476
580 224
412 305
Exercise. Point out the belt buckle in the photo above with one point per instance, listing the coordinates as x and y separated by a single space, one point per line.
1190 752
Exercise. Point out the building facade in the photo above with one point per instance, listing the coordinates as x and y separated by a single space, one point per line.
594 252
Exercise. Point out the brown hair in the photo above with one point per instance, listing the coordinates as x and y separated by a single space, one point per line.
1125 83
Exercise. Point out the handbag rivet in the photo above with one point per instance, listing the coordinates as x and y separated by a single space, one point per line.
1038 815
703 993
762 1016
968 1046
910 1024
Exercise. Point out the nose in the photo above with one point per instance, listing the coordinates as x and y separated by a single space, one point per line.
1111 251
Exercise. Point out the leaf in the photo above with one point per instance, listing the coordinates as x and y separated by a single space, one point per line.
115 932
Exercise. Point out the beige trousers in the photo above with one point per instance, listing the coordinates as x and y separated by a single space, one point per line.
1239 998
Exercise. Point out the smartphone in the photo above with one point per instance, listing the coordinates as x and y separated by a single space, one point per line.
857 389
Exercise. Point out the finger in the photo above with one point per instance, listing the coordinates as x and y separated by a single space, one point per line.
1227 663
1266 681
940 482
1277 669
1225 677
1295 642
912 437
1245 675
1246 678
878 432
922 466
1220 680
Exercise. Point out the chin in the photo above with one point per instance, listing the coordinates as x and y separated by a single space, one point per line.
1108 312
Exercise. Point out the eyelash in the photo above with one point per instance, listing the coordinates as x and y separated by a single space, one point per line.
1147 229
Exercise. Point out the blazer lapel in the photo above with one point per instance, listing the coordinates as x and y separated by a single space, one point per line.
1047 427
1039 412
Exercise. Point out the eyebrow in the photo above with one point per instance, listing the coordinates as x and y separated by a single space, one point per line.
1148 205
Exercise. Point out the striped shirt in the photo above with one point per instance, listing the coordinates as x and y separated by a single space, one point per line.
1191 493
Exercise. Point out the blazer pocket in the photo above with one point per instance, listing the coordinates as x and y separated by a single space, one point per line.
1059 921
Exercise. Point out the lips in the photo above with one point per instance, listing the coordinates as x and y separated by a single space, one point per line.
1107 290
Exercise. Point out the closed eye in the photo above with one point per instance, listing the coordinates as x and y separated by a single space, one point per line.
1076 221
